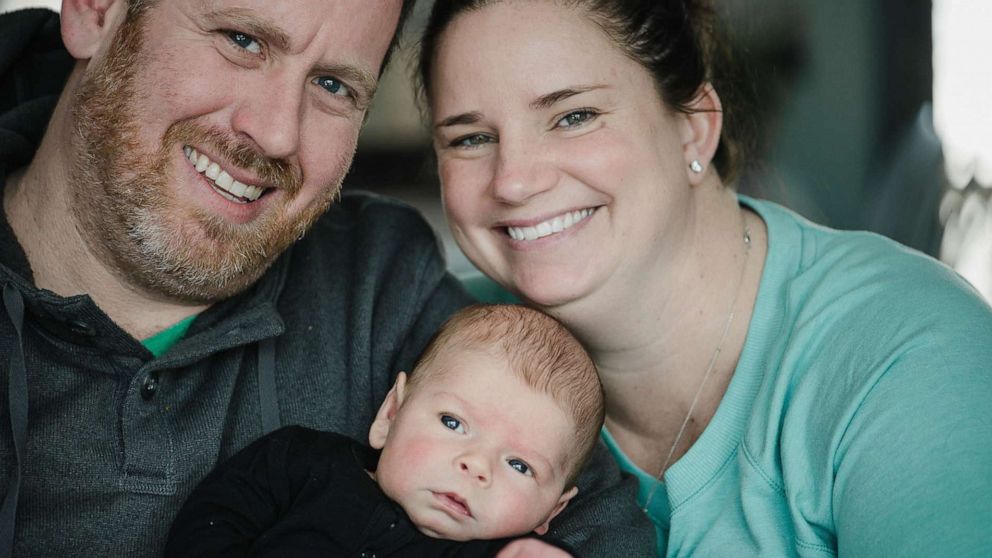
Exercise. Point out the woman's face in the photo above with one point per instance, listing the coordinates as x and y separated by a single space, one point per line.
563 173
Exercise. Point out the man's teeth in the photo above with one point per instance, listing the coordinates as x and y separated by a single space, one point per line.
549 227
225 185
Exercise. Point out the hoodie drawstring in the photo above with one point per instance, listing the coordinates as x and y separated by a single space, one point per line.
268 398
17 396
18 401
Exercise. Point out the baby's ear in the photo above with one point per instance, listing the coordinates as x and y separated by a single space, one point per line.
562 502
387 412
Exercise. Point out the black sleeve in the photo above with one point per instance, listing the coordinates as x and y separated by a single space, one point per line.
490 548
604 518
245 496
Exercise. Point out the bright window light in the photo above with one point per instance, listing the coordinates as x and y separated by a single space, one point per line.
962 88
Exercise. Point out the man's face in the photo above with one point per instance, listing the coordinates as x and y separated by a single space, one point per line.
211 134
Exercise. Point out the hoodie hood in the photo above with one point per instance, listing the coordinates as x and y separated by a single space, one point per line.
34 66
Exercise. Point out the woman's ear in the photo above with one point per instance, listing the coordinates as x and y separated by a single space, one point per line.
701 133
86 24
387 412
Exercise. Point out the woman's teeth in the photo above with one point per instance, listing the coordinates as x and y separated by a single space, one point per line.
549 227
224 184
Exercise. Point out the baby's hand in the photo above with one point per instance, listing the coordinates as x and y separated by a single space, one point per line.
531 548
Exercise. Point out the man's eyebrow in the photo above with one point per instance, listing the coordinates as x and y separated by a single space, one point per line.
245 20
464 118
548 100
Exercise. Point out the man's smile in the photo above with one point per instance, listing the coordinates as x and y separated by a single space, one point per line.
223 183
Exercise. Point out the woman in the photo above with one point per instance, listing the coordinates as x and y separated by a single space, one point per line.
779 388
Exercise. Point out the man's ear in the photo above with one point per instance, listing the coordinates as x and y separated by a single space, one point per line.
562 502
387 412
86 24
701 132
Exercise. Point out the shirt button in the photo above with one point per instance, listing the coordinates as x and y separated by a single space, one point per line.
150 386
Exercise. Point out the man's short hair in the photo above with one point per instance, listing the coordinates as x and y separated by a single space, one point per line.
541 351
136 8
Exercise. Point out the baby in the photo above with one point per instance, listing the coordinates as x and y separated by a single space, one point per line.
481 445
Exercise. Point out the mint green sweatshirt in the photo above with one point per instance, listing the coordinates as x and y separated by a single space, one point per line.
859 419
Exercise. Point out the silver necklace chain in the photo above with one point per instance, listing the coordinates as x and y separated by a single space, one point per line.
709 368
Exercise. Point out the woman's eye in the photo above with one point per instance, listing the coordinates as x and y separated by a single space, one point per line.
475 140
576 118
452 423
333 86
520 467
245 41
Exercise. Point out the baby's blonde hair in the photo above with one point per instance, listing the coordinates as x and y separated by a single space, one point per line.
541 351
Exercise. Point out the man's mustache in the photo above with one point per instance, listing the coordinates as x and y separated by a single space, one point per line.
277 173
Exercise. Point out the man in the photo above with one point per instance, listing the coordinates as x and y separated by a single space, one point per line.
155 316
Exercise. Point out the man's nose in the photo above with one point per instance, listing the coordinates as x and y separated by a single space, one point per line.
270 116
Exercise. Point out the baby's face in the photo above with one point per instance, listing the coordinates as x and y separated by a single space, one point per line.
474 452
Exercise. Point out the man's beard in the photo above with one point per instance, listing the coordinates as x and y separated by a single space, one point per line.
129 214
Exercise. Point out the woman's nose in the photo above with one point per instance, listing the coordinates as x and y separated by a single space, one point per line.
522 172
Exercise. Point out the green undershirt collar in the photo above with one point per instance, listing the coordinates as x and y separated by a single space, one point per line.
162 341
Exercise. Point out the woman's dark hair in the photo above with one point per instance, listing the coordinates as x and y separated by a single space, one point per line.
676 41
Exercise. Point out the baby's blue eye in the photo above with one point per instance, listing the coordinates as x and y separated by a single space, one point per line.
520 467
245 41
333 86
452 423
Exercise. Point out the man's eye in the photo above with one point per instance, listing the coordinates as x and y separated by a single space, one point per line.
576 118
520 467
333 86
452 423
245 41
472 141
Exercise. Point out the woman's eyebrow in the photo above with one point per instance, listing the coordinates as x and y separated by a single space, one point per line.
548 100
464 118
542 102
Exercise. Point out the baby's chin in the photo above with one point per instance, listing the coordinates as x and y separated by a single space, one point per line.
446 534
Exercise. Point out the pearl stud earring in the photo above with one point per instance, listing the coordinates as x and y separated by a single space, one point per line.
696 166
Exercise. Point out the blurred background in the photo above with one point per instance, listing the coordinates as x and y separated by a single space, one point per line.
871 115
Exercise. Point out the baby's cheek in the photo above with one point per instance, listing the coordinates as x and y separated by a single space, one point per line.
517 512
402 465
420 452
